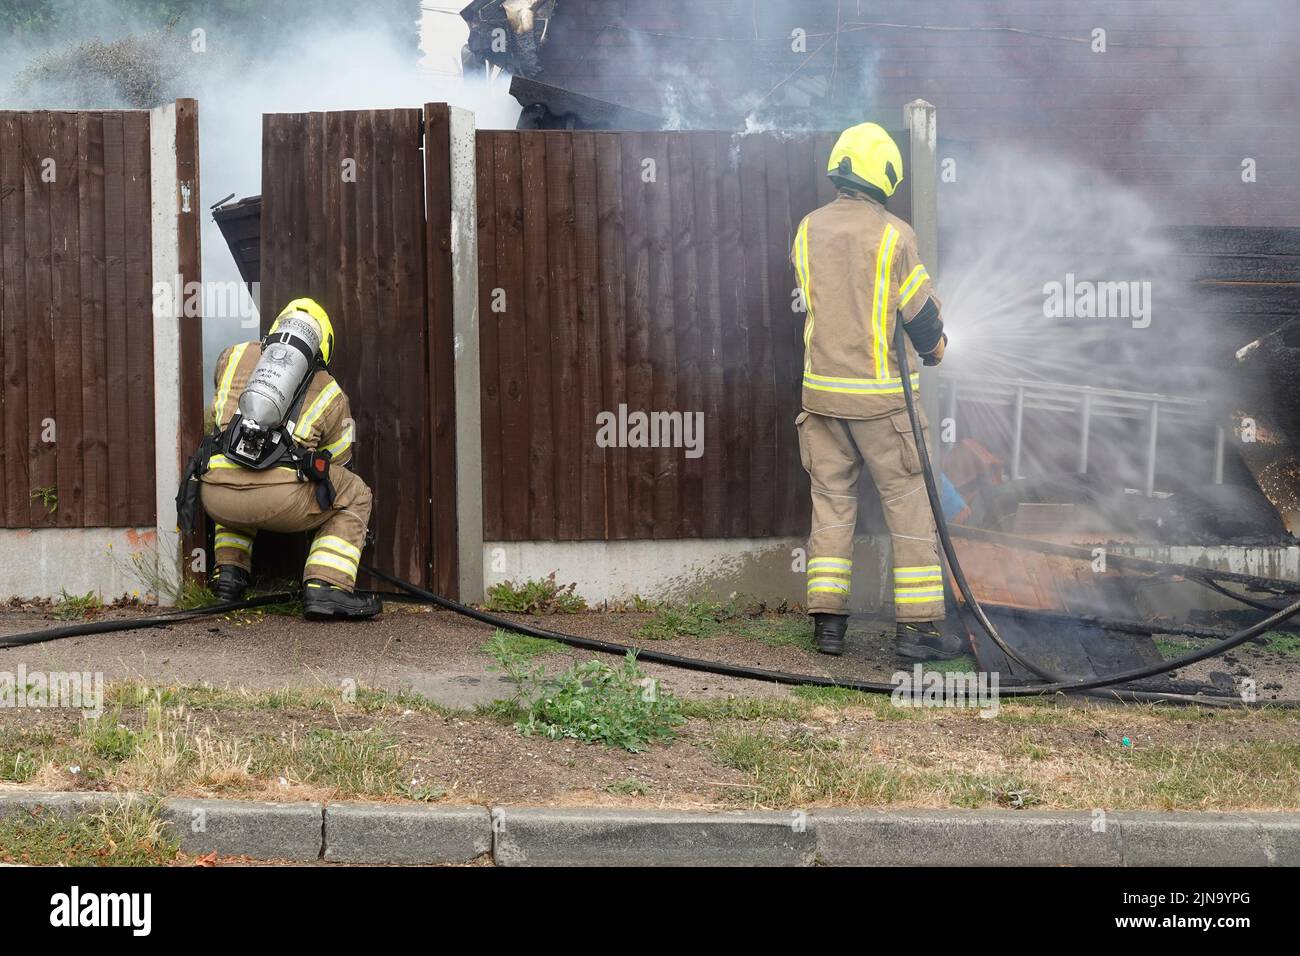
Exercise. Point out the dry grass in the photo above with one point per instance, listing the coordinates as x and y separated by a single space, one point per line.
128 834
810 749
1029 755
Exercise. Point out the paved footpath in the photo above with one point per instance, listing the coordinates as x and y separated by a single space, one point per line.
536 836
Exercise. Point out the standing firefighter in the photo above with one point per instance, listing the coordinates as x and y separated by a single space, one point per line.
858 268
276 461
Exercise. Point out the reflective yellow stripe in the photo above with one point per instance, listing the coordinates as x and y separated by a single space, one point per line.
912 284
858 386
236 541
919 571
326 559
335 543
820 589
322 402
919 596
336 448
221 461
880 303
803 269
223 392
226 529
844 563
828 584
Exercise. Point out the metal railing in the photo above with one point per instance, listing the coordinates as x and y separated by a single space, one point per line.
1087 403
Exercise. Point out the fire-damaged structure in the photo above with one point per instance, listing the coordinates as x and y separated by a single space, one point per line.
507 34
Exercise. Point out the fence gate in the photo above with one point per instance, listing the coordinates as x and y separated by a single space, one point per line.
344 221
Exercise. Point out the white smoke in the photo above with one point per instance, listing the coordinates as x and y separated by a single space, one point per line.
326 66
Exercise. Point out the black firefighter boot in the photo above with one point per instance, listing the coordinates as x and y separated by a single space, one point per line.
231 583
828 631
925 641
322 601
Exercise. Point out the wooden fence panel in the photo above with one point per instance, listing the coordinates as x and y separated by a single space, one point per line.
343 222
655 274
76 320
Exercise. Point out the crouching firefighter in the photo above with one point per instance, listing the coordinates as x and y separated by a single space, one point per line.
859 271
276 461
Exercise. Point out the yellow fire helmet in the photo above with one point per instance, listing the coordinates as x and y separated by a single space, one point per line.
312 309
866 156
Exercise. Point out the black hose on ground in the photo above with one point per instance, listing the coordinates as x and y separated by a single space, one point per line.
420 595
135 623
1091 688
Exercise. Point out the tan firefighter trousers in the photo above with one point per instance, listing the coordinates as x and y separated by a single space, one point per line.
241 510
833 451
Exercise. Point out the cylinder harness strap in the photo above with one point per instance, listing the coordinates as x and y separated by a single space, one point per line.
278 448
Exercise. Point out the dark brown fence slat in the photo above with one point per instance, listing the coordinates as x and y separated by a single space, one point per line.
116 346
139 302
686 327
190 345
362 338
732 316
512 327
640 368
541 473
13 307
40 315
440 319
489 331
804 174
314 174
566 411
704 160
587 261
762 456
65 274
785 336
662 336
613 328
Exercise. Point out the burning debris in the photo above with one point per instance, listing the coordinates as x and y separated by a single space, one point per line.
507 34
549 107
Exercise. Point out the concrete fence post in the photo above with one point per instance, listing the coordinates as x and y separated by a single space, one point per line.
177 328
168 308
469 416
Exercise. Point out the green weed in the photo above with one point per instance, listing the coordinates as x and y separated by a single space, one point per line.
534 596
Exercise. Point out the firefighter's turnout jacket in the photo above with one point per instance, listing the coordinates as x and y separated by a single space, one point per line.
242 500
859 272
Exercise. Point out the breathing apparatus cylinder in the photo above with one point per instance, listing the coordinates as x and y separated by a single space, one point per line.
288 357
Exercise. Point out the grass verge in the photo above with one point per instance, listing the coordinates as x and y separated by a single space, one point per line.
130 834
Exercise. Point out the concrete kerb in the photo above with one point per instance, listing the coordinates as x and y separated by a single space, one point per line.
606 837
405 833
417 834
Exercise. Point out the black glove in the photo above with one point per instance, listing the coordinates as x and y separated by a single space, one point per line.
936 356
